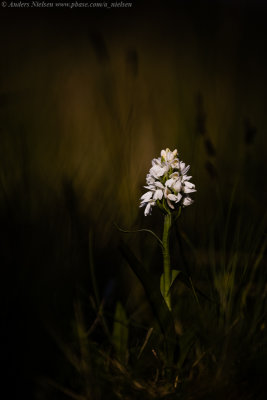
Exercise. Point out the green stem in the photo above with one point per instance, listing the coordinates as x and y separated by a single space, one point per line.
166 260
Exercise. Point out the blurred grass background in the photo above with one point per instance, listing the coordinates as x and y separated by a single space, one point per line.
87 99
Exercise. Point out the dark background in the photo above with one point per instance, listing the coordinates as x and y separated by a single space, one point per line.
87 98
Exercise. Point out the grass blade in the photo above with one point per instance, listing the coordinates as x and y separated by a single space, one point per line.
120 333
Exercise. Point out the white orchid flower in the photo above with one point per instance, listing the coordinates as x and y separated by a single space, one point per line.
174 197
157 171
177 186
168 193
189 187
147 201
149 179
168 155
170 182
184 169
167 183
156 161
149 206
147 196
187 201
186 178
175 164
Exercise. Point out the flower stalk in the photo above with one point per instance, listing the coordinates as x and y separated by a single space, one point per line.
166 260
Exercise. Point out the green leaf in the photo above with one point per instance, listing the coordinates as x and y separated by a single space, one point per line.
187 281
149 333
120 333
174 274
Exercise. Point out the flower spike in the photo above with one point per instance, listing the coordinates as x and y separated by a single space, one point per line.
168 184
